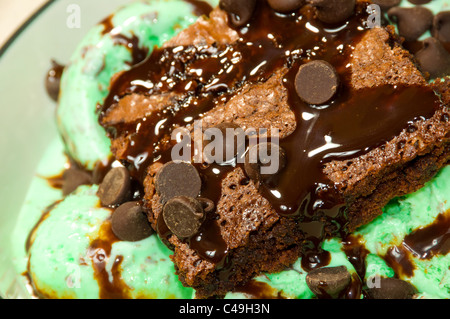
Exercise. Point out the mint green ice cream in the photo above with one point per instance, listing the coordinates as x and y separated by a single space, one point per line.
63 258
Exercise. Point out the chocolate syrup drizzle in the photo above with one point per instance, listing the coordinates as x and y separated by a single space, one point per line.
353 124
422 243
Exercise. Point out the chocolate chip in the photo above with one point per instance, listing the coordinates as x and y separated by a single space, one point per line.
392 288
434 58
53 80
115 187
232 140
328 281
441 26
419 1
177 179
387 4
73 178
240 11
183 216
264 155
316 82
129 222
411 22
285 6
335 11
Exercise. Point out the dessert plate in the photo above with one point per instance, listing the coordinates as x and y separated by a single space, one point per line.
27 120
27 117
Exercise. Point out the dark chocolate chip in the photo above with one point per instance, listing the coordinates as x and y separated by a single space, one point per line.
233 140
240 11
285 6
411 22
441 26
335 11
328 281
260 156
419 1
316 82
434 58
183 216
115 187
387 4
73 178
392 288
207 204
177 179
129 222
53 80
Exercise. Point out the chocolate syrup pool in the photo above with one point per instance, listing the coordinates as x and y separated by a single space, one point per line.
354 122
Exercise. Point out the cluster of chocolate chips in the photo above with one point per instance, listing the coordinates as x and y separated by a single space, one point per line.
178 185
336 11
414 22
129 221
333 282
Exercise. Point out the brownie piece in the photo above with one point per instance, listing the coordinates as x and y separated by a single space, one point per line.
257 238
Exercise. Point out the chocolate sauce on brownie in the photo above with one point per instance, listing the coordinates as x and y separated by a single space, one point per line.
352 124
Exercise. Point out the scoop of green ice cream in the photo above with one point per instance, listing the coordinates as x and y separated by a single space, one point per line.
74 254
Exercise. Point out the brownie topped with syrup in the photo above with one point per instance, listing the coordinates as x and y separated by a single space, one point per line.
357 123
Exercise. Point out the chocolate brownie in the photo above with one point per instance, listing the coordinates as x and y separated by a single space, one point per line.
384 134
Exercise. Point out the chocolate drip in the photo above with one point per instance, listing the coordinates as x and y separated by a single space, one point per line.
399 259
353 124
138 53
422 243
431 240
356 253
99 252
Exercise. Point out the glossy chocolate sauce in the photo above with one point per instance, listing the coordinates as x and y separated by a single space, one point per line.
432 240
99 252
399 259
422 243
356 253
353 124
138 53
